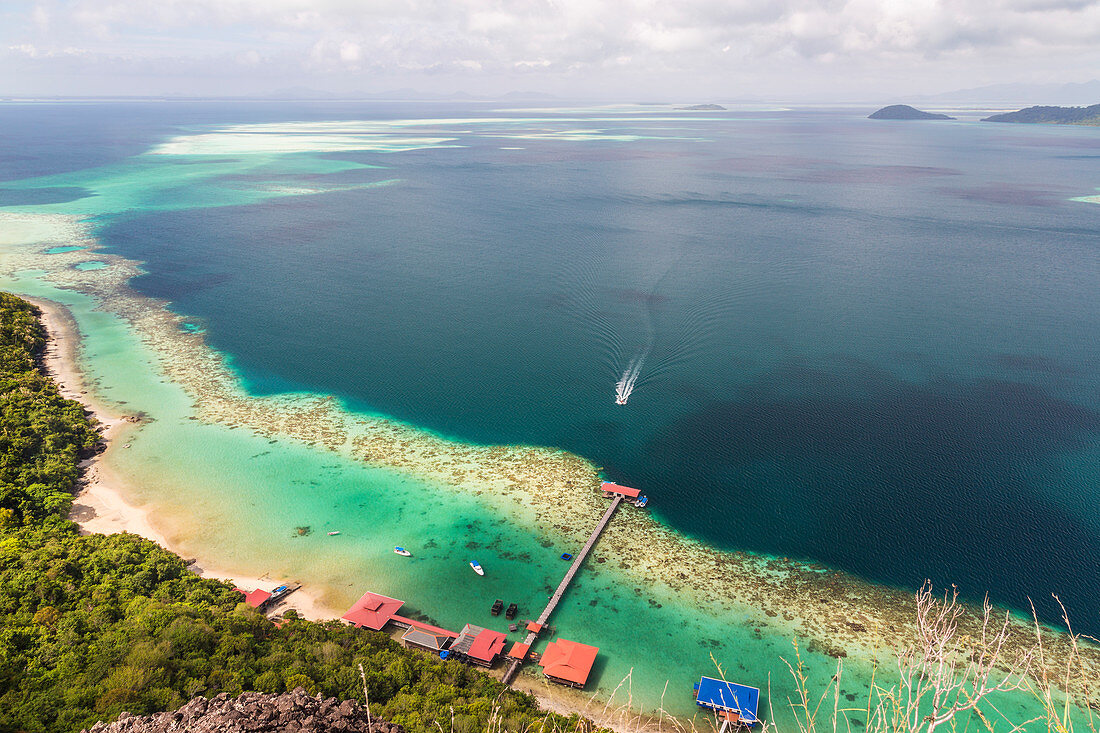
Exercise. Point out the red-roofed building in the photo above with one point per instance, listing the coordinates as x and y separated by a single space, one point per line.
372 611
422 639
412 624
487 645
478 645
256 598
568 662
519 650
626 491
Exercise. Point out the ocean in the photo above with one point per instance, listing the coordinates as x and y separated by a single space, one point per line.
866 345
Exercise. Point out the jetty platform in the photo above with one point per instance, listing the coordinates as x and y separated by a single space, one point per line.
618 494
565 662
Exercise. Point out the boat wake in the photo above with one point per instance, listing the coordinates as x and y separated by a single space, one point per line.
625 386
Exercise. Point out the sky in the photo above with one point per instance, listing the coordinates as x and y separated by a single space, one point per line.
625 50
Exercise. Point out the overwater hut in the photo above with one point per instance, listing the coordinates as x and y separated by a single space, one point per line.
610 488
568 662
632 496
519 651
734 704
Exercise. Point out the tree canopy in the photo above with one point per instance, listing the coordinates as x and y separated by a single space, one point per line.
94 625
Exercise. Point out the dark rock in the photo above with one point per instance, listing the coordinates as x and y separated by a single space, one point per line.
255 712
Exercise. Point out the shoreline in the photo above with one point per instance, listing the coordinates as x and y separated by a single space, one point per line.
100 505
832 613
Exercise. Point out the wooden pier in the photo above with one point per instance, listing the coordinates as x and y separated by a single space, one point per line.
564 584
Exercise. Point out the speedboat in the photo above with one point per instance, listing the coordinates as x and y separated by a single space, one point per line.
402 552
620 401
477 568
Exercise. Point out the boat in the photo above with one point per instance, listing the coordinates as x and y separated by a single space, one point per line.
620 401
477 568
498 606
330 534
511 612
402 552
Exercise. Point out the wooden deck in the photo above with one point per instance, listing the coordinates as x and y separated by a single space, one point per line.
564 584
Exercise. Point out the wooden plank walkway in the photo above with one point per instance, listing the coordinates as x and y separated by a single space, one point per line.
564 584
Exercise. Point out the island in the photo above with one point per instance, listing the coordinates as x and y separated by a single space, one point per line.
1051 116
704 108
905 112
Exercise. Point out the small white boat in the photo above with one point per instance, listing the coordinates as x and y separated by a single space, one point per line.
330 534
477 568
402 552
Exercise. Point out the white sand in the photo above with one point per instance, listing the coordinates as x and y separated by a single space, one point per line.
101 504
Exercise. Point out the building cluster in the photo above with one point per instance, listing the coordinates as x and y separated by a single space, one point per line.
565 662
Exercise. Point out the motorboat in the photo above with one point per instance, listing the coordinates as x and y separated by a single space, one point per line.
402 552
334 532
477 568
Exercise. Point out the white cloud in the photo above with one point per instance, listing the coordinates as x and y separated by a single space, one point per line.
574 40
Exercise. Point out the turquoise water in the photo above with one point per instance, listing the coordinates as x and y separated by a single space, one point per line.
226 493
90 265
852 340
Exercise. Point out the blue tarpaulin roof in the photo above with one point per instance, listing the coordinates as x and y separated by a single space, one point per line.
722 695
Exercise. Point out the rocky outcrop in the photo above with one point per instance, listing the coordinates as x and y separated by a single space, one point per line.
255 712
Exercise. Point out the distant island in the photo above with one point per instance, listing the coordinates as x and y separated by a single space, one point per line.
1052 116
905 112
704 108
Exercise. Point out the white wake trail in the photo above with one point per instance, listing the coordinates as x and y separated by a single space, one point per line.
626 383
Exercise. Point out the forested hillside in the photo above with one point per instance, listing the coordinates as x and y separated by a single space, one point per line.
91 626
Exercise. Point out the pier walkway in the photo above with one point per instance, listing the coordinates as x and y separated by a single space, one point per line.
564 584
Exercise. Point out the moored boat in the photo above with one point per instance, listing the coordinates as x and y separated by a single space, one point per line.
477 568
402 552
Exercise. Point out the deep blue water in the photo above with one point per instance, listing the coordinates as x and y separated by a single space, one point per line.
869 344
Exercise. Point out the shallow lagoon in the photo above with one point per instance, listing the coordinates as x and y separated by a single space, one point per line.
827 373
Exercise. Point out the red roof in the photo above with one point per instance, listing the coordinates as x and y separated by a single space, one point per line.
624 490
372 611
568 660
423 626
534 626
254 598
487 645
519 650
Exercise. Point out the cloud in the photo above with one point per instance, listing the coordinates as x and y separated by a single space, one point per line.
579 39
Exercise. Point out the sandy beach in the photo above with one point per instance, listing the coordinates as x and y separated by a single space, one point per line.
101 505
